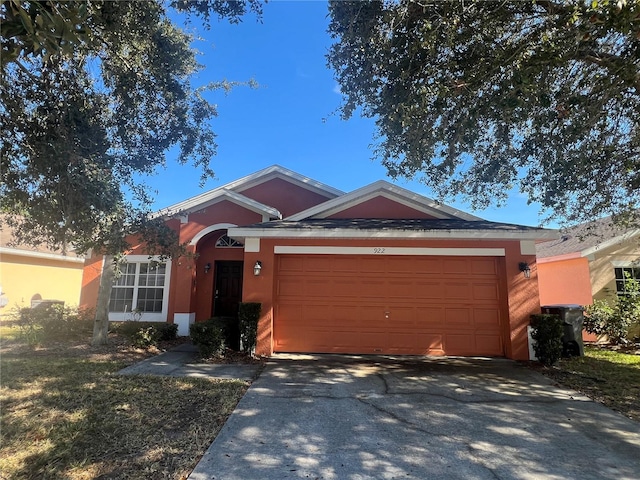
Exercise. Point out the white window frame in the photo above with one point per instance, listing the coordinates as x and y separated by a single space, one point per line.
146 316
620 264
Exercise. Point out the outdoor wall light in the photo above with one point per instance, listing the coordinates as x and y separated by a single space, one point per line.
257 268
207 267
524 268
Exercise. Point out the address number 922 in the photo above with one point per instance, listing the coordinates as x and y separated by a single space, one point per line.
378 250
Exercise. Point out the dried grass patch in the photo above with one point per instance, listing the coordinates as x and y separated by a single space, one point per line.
606 375
66 415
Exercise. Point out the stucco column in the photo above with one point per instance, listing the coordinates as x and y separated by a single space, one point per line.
523 299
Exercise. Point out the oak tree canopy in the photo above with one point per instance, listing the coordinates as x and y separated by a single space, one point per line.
477 98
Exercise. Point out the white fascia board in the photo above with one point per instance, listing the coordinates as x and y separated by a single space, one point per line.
47 256
387 190
333 233
610 243
219 195
276 171
386 251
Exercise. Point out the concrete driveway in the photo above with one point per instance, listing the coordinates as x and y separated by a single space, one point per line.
340 417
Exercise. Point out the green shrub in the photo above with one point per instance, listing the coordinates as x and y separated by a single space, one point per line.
146 334
248 316
207 337
145 337
616 318
230 331
53 322
547 334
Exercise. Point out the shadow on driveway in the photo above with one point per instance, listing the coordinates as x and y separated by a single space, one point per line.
361 417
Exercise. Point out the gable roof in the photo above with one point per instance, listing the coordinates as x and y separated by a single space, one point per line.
394 228
387 190
585 239
214 196
232 191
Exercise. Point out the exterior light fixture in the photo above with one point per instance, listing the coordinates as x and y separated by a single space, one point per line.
207 267
525 269
257 268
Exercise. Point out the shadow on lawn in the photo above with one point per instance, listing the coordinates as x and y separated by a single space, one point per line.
73 418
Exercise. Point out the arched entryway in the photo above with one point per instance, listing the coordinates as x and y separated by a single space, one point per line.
219 268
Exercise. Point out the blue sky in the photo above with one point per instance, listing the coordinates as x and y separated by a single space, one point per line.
290 118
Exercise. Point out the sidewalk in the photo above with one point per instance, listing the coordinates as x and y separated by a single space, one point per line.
182 361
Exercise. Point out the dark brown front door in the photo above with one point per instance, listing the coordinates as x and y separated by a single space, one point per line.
227 289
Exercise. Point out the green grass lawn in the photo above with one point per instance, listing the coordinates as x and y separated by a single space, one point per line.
66 415
609 377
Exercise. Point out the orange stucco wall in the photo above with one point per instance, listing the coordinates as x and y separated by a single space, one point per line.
565 282
286 197
522 298
380 207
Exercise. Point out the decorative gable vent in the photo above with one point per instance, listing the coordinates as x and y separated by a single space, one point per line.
226 242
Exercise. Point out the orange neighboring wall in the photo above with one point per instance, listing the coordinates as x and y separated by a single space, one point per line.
564 282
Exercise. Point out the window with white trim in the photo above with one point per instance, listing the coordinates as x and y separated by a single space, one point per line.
228 242
143 287
624 275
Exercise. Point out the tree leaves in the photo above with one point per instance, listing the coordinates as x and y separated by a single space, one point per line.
476 98
94 93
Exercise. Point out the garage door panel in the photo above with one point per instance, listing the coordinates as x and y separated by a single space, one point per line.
460 290
430 316
388 304
483 266
458 317
485 291
455 266
486 317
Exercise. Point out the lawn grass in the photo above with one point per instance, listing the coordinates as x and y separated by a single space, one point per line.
607 376
67 415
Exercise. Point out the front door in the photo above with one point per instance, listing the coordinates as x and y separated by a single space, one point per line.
227 288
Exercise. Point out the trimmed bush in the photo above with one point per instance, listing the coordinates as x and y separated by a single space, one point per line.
248 316
230 331
207 337
547 334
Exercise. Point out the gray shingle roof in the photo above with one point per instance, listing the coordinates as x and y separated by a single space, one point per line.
392 224
583 237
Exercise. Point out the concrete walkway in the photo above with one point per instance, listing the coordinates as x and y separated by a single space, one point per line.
183 361
358 418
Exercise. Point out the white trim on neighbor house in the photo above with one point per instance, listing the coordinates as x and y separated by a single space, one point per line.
610 243
344 233
382 250
215 196
387 190
147 316
625 263
47 256
212 228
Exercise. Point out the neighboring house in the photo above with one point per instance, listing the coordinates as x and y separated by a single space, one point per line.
377 270
31 274
587 262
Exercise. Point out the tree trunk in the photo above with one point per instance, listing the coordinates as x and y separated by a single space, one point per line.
101 324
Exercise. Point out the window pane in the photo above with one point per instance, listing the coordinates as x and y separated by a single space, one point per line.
150 299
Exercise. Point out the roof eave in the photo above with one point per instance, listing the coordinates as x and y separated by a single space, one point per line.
457 234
